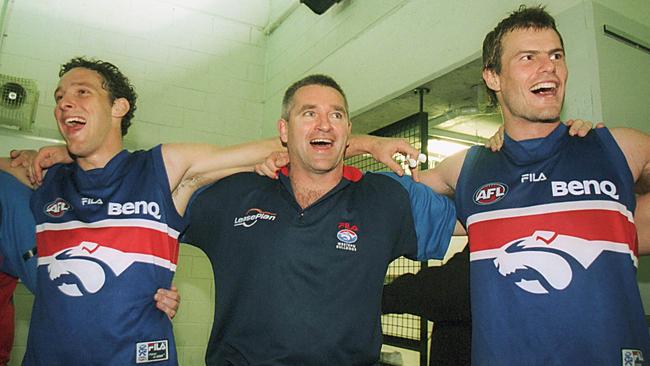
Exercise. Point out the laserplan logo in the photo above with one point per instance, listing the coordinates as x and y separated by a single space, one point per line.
251 217
584 187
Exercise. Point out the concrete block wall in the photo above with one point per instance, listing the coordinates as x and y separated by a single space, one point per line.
199 70
379 51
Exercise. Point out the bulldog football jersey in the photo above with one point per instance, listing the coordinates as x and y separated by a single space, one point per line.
107 240
553 252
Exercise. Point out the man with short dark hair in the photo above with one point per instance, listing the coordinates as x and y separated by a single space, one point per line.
553 245
299 262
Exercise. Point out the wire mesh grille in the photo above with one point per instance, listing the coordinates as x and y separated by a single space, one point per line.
398 325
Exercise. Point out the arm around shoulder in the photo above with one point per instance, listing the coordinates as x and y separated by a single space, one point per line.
443 178
191 166
636 148
19 173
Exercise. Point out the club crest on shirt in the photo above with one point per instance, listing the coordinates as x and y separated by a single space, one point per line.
490 193
538 263
57 208
81 270
347 236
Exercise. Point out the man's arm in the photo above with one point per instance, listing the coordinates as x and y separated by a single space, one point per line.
642 221
19 172
443 178
636 148
191 166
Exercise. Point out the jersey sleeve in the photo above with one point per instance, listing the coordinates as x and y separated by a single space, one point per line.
17 230
434 218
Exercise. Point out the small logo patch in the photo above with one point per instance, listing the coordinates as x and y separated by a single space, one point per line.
490 193
57 208
347 236
631 357
151 351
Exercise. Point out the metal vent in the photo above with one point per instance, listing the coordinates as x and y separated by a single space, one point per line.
18 101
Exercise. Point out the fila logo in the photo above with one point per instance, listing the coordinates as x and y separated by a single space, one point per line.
91 201
134 208
490 193
151 351
585 187
533 177
57 208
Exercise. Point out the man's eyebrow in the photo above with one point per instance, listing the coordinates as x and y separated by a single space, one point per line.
305 107
339 108
534 52
336 107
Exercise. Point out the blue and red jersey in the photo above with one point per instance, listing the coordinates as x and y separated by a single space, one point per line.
553 252
107 240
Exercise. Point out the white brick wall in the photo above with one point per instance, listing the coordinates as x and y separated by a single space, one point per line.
179 55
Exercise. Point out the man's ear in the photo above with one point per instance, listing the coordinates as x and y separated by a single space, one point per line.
492 80
120 107
283 129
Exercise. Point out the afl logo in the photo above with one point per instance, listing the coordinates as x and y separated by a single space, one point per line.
490 193
347 236
57 208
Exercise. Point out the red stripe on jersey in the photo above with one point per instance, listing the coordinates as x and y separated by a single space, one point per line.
126 239
585 224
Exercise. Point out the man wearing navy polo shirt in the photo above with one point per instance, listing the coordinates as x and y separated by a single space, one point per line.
299 262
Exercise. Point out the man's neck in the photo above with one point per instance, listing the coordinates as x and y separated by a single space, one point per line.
98 159
309 187
519 130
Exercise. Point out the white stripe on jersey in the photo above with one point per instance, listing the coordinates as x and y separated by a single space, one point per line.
551 208
108 223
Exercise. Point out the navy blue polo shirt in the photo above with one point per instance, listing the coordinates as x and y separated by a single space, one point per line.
303 286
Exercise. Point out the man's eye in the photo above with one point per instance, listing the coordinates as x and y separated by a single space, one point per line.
337 115
557 56
527 57
309 114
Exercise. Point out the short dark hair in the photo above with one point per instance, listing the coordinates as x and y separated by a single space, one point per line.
117 85
315 79
523 18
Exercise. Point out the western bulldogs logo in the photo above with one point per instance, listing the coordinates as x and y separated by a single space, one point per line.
490 193
347 236
539 255
57 208
81 268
